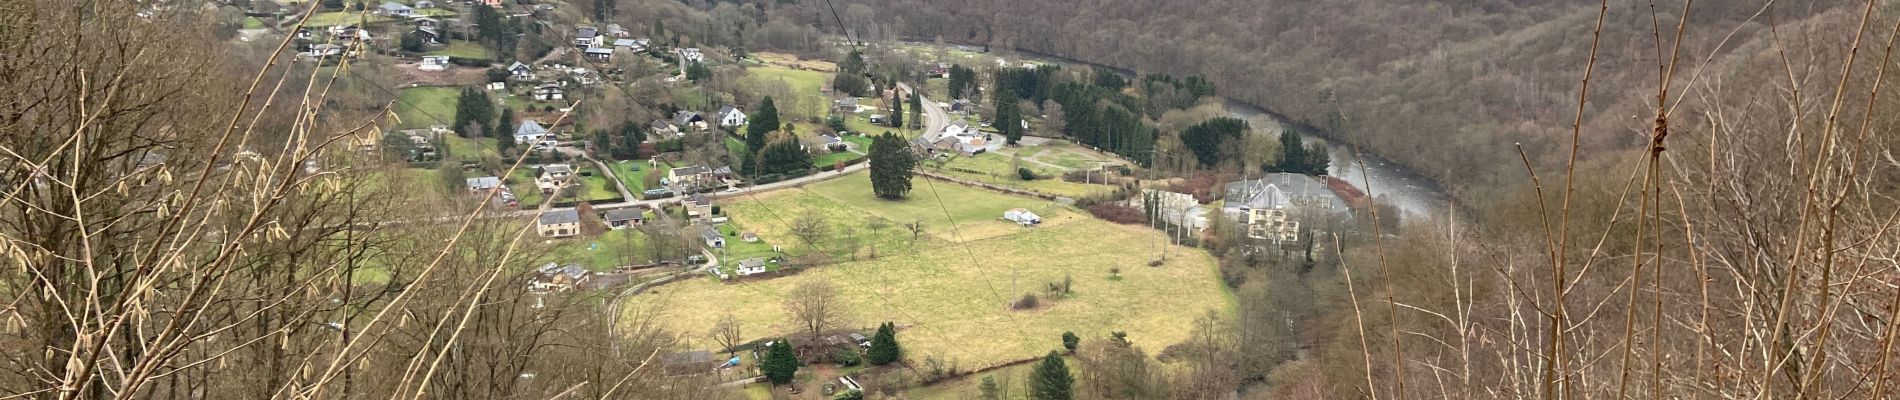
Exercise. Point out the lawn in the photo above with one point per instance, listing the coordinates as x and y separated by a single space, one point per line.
467 149
950 298
343 18
633 174
604 252
595 187
253 23
461 48
808 85
978 213
421 106
996 168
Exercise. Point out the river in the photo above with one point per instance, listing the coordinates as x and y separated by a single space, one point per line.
1416 196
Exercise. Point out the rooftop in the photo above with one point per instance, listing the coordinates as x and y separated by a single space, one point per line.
564 216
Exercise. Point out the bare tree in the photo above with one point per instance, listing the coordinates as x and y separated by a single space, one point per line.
815 306
811 228
726 332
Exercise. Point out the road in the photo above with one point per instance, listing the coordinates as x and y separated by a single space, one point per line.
935 119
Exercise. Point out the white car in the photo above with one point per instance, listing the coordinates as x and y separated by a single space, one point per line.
734 189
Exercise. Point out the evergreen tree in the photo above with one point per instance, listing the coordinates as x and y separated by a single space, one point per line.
1318 160
1070 341
1292 154
891 162
411 42
783 156
916 109
1051 380
504 125
697 72
897 112
630 138
762 122
991 391
1007 118
1207 139
780 364
602 144
960 80
884 349
505 142
472 106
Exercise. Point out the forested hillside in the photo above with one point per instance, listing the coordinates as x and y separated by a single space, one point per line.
1445 87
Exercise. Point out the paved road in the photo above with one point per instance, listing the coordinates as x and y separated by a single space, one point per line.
934 122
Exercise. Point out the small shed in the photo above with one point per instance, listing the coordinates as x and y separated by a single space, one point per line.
1022 216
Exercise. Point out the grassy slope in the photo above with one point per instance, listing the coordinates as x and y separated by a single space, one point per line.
948 297
422 106
996 170
461 48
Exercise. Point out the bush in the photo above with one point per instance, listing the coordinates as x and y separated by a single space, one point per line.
470 62
845 358
1117 213
1028 301
1025 174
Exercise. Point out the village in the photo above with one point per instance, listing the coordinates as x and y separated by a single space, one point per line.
680 209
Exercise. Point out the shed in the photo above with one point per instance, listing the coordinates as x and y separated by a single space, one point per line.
1022 216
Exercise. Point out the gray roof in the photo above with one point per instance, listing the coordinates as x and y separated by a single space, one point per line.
859 337
692 170
586 32
486 182
686 117
575 271
661 125
557 169
519 66
564 216
752 262
625 214
600 50
700 199
1281 191
844 102
830 139
709 233
625 43
728 109
530 128
394 6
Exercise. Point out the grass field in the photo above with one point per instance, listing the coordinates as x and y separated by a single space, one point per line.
995 168
343 18
461 48
950 300
253 23
633 174
467 149
604 252
420 104
809 85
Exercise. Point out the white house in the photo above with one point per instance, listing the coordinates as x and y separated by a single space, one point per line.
519 70
531 133
712 237
554 177
731 116
959 128
548 92
395 9
559 223
434 63
751 266
691 54
587 36
600 53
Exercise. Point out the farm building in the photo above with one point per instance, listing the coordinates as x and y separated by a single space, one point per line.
1022 216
